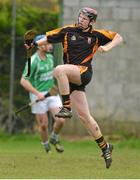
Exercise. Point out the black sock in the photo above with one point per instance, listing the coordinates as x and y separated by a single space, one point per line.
66 101
101 143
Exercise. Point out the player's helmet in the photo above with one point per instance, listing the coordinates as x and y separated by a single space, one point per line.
39 37
89 12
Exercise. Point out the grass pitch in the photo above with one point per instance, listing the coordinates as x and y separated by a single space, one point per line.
23 156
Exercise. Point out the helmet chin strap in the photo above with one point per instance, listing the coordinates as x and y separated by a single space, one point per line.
88 27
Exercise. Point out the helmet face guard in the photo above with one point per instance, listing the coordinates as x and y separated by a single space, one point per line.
89 12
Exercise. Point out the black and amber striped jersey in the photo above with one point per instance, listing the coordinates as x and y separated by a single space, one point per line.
79 47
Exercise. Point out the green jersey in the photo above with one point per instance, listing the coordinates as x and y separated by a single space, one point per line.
41 76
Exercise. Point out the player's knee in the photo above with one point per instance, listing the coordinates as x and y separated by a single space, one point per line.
43 124
43 127
58 71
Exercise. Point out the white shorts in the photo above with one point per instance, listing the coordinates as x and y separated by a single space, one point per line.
42 107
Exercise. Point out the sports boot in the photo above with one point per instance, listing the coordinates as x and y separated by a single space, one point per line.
59 148
64 113
47 148
107 155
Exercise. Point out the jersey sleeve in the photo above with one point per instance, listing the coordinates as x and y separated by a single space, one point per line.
57 35
104 36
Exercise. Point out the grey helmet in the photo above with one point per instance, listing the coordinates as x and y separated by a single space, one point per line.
89 12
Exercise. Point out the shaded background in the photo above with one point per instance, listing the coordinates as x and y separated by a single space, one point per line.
113 94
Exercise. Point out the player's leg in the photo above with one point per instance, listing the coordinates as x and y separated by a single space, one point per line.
64 75
80 104
42 120
54 104
40 109
55 135
67 73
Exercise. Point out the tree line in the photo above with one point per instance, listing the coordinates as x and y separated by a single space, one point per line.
41 15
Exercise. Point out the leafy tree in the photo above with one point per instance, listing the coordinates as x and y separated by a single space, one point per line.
41 15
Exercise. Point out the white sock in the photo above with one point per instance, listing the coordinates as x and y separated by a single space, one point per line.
45 143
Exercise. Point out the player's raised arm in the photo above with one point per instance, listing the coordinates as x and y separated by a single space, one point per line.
115 41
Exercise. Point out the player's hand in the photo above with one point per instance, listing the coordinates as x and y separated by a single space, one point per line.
27 46
40 96
103 49
31 46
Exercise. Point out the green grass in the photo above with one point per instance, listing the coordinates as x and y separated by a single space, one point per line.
23 156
